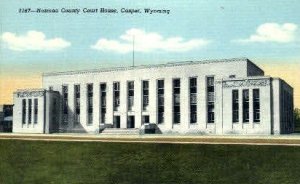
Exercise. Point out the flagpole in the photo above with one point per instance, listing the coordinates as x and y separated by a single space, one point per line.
133 50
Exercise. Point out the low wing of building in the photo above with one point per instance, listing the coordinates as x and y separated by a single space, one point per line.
229 96
6 117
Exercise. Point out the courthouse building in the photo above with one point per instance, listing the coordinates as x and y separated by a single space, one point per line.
228 96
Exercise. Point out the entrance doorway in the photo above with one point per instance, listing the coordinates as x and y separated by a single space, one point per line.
145 119
116 122
130 122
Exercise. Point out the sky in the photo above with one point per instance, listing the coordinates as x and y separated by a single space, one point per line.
267 32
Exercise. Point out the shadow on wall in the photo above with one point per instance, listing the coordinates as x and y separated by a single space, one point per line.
70 126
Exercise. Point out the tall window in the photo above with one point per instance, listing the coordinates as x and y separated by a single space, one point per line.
176 100
210 82
145 95
130 87
65 104
77 104
35 111
235 106
256 105
245 105
90 103
193 100
103 102
29 110
24 111
161 100
116 95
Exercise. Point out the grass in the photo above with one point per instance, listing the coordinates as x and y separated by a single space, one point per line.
95 162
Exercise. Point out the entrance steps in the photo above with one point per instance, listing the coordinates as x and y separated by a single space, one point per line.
119 131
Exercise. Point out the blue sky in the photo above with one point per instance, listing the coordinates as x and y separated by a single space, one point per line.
209 29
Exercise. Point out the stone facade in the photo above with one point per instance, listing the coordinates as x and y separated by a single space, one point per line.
183 97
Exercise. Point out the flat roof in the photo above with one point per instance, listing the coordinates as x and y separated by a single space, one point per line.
170 64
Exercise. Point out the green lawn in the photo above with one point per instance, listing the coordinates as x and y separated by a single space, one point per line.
95 162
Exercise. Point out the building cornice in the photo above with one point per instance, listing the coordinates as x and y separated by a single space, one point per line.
173 64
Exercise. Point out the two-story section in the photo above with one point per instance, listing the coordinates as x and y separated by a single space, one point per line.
36 111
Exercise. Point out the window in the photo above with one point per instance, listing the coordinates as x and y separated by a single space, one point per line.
193 114
35 111
256 105
211 113
176 101
160 97
130 87
210 99
103 116
103 102
235 106
77 104
245 105
145 94
193 100
29 110
24 111
116 86
90 103
103 95
65 104
210 82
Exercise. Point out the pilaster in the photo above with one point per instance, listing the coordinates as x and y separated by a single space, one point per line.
168 96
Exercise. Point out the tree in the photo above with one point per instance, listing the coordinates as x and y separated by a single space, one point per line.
297 119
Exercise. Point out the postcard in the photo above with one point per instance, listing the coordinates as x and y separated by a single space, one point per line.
149 91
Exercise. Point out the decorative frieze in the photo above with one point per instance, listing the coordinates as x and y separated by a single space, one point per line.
23 94
246 83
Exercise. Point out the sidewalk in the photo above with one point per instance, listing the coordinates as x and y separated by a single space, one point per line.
284 140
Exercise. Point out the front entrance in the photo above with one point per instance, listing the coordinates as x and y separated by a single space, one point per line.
116 122
145 119
130 122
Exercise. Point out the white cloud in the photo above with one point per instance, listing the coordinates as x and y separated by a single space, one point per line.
147 42
273 32
33 41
